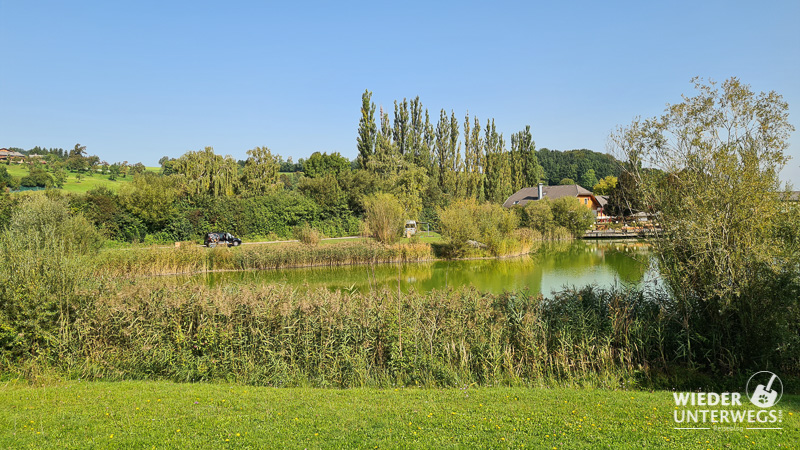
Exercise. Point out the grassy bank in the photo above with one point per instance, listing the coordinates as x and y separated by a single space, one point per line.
167 415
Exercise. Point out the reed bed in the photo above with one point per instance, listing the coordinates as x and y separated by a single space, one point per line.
274 335
190 259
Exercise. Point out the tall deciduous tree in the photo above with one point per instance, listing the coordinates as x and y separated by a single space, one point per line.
402 128
205 172
727 250
367 130
260 172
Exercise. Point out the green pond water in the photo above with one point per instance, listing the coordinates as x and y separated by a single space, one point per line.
548 269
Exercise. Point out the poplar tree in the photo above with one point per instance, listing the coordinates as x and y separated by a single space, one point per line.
473 149
401 127
367 130
532 171
455 152
443 161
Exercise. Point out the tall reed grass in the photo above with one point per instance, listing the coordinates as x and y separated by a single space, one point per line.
189 259
274 335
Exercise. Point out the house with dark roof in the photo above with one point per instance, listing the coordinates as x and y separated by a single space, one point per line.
585 196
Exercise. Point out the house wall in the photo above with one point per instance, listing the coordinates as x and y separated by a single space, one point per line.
591 203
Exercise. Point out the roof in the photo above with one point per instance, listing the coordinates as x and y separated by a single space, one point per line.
524 195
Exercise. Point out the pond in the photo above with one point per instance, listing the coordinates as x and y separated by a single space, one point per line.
553 266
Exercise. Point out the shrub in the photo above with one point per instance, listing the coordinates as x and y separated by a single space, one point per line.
569 213
540 215
44 252
489 224
307 235
384 216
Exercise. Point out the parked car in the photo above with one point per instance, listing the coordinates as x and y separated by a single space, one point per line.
212 239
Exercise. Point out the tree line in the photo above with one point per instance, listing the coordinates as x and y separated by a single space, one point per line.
425 166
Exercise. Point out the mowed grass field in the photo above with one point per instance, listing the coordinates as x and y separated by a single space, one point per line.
85 184
169 415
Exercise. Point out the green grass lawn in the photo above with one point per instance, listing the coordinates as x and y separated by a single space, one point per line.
169 415
424 236
87 183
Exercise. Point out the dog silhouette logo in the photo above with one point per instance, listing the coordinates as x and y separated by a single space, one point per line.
764 389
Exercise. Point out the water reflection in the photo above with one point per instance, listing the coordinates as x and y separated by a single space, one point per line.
550 268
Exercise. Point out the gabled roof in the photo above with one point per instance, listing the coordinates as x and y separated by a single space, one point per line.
524 195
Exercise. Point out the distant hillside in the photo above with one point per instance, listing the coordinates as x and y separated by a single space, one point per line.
575 165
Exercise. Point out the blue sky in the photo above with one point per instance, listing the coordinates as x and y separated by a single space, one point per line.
140 80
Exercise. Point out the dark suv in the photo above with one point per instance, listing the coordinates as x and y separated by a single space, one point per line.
212 239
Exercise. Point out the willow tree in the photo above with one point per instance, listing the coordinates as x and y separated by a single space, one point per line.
260 172
724 242
205 172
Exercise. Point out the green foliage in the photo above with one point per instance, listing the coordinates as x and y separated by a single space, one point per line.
588 179
566 181
322 164
540 215
488 224
307 235
205 172
383 217
5 179
604 186
574 164
37 178
260 172
8 205
150 198
325 192
44 253
367 130
723 251
568 212
526 170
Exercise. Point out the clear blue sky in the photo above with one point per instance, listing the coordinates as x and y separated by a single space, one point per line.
139 80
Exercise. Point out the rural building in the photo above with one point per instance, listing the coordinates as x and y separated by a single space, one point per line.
586 197
6 154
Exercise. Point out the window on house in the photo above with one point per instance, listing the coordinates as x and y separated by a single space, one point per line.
586 201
